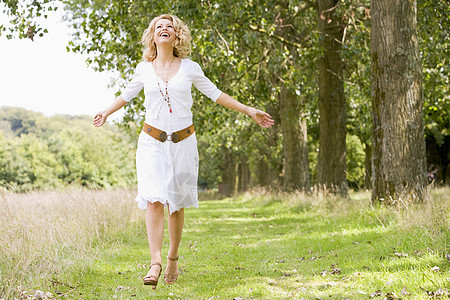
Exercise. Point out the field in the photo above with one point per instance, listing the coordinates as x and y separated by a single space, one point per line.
82 244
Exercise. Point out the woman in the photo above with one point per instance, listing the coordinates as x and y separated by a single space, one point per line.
167 157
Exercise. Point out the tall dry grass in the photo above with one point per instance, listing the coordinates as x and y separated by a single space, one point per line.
43 232
432 215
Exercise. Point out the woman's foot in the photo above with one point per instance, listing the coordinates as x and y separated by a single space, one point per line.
172 272
153 274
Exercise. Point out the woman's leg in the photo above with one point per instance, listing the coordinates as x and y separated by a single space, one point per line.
154 221
176 222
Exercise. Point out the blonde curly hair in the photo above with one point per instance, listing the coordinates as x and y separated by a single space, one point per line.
181 45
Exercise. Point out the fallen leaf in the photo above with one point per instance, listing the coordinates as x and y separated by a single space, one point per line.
286 274
336 271
404 291
448 257
435 269
377 293
440 292
360 292
400 255
391 296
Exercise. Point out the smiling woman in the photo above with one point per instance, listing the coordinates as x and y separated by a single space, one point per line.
167 158
175 31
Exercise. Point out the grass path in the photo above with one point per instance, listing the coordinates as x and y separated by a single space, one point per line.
262 247
256 248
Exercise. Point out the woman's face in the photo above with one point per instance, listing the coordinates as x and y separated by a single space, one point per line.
164 32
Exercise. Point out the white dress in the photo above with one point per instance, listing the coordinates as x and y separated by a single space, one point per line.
167 172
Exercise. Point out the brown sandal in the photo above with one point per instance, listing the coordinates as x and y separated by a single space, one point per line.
168 277
152 279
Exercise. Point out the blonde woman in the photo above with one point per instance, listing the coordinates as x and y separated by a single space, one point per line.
167 157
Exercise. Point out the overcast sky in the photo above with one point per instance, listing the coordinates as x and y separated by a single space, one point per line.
42 76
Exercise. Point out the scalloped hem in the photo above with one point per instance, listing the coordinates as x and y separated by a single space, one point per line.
142 203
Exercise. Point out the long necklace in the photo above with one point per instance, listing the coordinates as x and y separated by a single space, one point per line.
166 94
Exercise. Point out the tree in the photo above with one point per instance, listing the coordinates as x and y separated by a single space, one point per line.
331 171
399 160
296 168
25 17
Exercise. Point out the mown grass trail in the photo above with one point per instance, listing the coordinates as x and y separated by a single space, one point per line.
277 247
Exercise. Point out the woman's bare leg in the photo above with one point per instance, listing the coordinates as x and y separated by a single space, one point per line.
154 221
176 222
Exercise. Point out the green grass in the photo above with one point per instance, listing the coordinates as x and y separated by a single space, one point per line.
258 246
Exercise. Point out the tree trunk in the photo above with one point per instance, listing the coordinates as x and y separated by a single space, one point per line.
331 168
243 173
227 187
295 150
368 166
399 159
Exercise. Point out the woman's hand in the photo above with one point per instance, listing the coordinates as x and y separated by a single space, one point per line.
100 119
261 118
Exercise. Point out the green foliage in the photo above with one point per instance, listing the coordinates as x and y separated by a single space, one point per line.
433 22
355 162
38 152
249 49
24 17
244 48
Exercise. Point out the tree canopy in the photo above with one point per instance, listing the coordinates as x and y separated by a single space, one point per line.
38 152
251 49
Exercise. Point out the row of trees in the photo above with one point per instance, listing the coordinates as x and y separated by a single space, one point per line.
38 152
313 65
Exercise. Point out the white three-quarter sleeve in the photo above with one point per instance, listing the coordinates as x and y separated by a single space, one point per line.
135 85
203 84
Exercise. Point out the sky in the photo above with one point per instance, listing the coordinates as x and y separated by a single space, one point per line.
42 76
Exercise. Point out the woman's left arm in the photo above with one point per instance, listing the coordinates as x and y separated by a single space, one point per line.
261 118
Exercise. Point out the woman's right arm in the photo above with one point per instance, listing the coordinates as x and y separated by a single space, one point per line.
132 89
100 117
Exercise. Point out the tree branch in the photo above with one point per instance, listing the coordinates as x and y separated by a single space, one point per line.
301 8
277 37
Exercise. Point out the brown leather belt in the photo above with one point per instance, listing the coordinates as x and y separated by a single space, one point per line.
162 136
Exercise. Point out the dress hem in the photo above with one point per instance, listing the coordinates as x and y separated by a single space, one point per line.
142 203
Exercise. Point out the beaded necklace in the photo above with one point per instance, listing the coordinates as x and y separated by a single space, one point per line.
166 94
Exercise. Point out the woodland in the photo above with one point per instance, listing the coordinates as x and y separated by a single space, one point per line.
358 90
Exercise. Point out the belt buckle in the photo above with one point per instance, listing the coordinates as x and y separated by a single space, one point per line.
174 137
163 136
